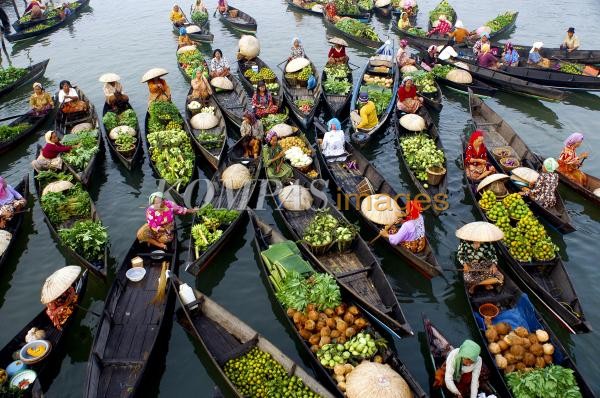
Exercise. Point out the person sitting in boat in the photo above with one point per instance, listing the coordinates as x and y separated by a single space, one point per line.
201 89
404 22
337 53
543 190
333 144
252 128
367 113
430 59
262 101
485 39
569 163
486 59
460 33
69 99
219 66
331 11
61 308
477 166
40 101
35 9
462 370
49 158
535 58
411 235
184 38
510 57
177 17
114 95
402 56
408 100
159 90
158 229
443 27
11 202
222 6
571 41
296 51
274 158
65 11
200 7
479 262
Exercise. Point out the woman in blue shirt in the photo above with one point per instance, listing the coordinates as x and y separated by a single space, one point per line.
511 56
534 53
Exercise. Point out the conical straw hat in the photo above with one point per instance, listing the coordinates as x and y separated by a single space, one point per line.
527 174
57 283
489 179
480 231
381 209
109 78
375 380
337 40
152 73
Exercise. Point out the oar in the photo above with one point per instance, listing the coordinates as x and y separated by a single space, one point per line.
12 117
279 64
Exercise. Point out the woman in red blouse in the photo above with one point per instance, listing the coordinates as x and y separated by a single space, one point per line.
569 162
408 100
337 54
49 158
476 164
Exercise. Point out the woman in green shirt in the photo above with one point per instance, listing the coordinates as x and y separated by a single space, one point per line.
274 158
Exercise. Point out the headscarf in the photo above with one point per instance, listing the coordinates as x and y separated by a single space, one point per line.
431 48
550 165
403 43
251 116
182 31
573 139
37 84
476 134
199 69
48 135
413 210
407 78
459 24
485 34
334 124
403 14
5 193
155 195
270 136
363 97
175 5
468 350
296 39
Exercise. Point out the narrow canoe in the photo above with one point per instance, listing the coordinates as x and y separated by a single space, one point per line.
127 159
590 191
203 35
21 26
34 124
297 7
244 65
241 22
34 72
14 225
233 103
579 56
359 40
293 92
336 104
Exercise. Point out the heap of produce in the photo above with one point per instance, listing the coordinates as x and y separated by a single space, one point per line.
74 203
366 4
294 290
441 71
209 139
443 8
303 75
10 75
550 381
416 31
80 157
125 118
358 348
425 81
172 154
380 97
336 79
257 375
209 226
274 119
164 115
37 28
305 105
572 68
86 237
199 17
500 21
290 142
190 60
380 81
420 153
358 29
297 157
8 133
125 142
324 230
263 73
346 7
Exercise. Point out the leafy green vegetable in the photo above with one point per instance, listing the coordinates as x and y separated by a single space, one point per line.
110 120
164 115
441 70
416 32
500 21
172 154
10 75
199 17
271 120
443 8
320 289
366 4
128 118
125 142
42 26
47 176
87 238
7 133
346 7
66 205
190 60
357 28
207 231
574 69
550 382
424 81
224 216
381 97
336 81
80 157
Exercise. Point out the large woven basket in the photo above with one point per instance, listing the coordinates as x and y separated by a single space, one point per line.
319 250
435 175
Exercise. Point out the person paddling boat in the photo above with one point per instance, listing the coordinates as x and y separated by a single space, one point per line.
569 163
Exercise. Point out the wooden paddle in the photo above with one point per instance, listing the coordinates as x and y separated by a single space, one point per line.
161 290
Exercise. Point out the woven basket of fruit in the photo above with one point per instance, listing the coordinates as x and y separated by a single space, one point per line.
319 250
503 152
510 163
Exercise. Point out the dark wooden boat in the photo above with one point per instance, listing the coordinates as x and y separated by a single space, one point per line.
433 101
241 22
244 65
98 267
233 103
593 185
293 92
203 36
509 297
34 123
547 281
498 135
64 123
223 337
14 225
182 69
34 72
265 235
578 56
357 271
439 348
49 366
299 8
21 26
211 150
130 327
359 40
478 87
336 104
221 197
363 137
432 191
349 183
53 25
126 159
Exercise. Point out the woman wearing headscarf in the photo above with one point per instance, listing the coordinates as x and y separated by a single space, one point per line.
460 34
443 27
69 99
463 370
222 6
480 265
402 57
219 66
252 128
184 39
337 54
274 158
543 190
160 221
404 22
331 11
476 164
114 95
296 51
199 6
40 101
158 90
408 100
333 144
486 59
11 201
201 89
535 58
510 56
177 17
430 59
485 39
568 161
262 101
49 158
367 113
411 235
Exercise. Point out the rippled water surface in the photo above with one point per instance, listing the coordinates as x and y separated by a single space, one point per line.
129 37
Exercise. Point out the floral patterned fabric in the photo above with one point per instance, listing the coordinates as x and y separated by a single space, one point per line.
157 218
468 254
544 190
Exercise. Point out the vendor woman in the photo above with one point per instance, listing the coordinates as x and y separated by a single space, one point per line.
177 17
160 222
252 128
69 99
479 263
463 370
477 166
219 66
408 100
274 158
367 113
10 202
402 56
333 145
543 190
49 158
201 89
411 234
262 101
569 163
184 38
296 51
40 101
159 90
404 22
114 96
337 53
60 309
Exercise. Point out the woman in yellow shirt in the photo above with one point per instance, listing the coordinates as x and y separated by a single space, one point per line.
40 101
177 16
368 113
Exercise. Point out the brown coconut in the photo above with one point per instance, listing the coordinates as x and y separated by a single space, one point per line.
529 359
521 331
491 335
502 328
540 363
503 345
518 351
537 349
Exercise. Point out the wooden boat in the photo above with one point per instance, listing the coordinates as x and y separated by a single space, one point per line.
98 267
578 56
432 132
363 41
37 30
64 123
297 7
33 122
478 87
351 185
222 197
224 337
183 71
363 137
509 297
34 72
203 36
547 281
336 104
499 135
593 184
293 92
265 235
211 150
14 225
439 348
432 100
238 20
244 65
49 366
233 103
131 326
126 159
450 15
19 26
357 271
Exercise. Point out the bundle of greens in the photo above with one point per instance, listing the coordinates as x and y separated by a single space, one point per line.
346 7
298 292
424 81
87 238
190 60
164 115
64 206
199 17
48 176
380 97
550 382
7 133
224 216
501 21
443 8
80 157
37 28
271 120
172 154
10 75
366 4
209 230
441 70
125 118
336 81
416 32
357 28
574 69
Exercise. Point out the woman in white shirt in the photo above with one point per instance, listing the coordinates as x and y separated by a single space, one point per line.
463 368
333 144
68 99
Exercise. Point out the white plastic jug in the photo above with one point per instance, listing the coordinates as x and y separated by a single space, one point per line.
187 295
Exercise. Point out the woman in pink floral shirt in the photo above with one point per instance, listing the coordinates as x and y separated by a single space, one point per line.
158 230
